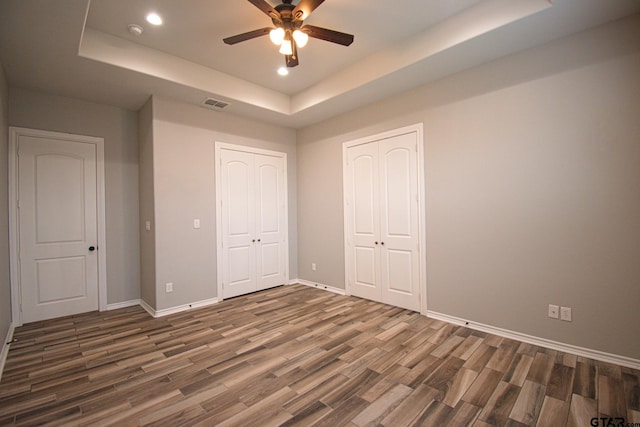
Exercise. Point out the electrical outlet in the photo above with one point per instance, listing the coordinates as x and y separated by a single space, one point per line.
554 311
196 223
313 266
169 287
147 225
565 314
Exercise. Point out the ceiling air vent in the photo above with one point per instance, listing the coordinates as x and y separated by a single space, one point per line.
215 104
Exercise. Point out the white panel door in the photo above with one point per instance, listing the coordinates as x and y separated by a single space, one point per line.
364 228
238 223
400 266
57 212
270 221
253 218
382 220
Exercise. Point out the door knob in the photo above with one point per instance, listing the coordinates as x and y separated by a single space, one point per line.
92 248
375 243
258 240
382 243
253 240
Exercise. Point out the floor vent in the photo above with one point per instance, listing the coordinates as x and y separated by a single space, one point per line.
215 104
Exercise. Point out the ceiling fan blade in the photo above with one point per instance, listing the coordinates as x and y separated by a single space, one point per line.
247 36
292 60
328 35
306 7
266 8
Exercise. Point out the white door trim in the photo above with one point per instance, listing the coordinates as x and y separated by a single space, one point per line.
14 134
218 177
422 224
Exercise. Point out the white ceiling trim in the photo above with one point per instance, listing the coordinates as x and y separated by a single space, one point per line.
466 25
469 24
116 51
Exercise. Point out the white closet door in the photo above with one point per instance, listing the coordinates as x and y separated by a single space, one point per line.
382 220
58 227
400 266
364 220
253 221
238 223
270 221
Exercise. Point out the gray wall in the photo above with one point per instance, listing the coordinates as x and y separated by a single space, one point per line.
5 284
532 183
184 139
147 213
118 127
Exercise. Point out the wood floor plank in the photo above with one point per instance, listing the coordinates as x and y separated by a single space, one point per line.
500 404
483 387
631 390
585 379
519 369
581 411
461 382
529 403
297 356
412 406
381 407
541 368
554 412
611 401
560 382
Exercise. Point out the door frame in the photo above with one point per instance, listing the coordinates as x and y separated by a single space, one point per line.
219 146
14 233
422 223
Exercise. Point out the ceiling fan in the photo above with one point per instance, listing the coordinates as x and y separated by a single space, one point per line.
289 32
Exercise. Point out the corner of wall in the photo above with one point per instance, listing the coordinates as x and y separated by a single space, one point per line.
147 204
5 282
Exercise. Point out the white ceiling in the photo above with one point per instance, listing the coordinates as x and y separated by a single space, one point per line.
82 49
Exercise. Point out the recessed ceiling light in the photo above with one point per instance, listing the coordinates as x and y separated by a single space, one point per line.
283 71
154 19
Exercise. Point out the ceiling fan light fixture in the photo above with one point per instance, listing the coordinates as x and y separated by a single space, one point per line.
301 38
286 48
277 36
290 32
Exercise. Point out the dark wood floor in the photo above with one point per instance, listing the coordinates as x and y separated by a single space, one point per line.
296 355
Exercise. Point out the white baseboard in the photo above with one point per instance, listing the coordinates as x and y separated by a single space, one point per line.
541 342
5 347
177 309
319 286
123 304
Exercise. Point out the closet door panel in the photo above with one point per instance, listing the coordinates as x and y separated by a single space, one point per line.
363 222
399 221
270 221
238 223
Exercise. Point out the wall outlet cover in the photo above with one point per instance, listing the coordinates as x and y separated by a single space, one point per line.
565 314
554 311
